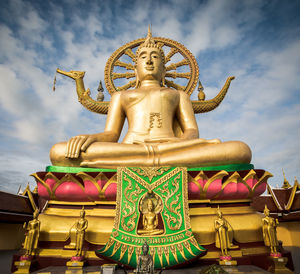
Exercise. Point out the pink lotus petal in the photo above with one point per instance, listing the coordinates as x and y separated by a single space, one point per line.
111 192
42 191
193 191
70 191
91 190
50 182
260 189
214 188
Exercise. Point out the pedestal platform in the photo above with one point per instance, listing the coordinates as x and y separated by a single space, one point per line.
63 191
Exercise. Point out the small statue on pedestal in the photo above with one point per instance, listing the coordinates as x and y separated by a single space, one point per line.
223 240
269 233
81 227
145 262
30 244
77 261
32 236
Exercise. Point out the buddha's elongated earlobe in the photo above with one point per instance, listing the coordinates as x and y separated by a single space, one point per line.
163 82
137 81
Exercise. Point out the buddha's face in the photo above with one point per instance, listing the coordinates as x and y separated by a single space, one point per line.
150 205
145 249
149 64
267 212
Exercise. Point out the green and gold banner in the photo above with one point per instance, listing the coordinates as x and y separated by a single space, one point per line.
152 206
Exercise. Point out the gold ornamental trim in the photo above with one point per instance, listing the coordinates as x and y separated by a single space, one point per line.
64 253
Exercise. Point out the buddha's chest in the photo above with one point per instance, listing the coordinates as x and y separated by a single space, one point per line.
154 101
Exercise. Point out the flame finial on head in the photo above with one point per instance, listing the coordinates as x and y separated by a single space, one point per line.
150 43
149 40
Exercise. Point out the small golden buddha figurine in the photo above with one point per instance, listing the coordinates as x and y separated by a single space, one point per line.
81 227
223 240
269 232
153 112
150 218
145 262
32 235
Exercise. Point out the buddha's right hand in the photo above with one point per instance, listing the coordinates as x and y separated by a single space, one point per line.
77 144
72 74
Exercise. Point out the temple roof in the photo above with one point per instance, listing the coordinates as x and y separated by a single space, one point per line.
283 202
17 208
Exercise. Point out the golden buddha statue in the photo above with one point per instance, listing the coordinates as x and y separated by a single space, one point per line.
223 239
81 227
269 231
162 129
32 234
150 218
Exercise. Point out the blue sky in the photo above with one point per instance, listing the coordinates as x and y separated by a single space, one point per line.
256 41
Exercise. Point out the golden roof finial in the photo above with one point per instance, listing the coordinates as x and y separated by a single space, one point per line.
286 183
296 183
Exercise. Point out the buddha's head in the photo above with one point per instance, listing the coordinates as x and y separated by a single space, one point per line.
266 211
219 213
145 248
150 205
150 61
82 213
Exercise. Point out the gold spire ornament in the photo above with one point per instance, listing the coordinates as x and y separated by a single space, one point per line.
286 183
201 94
296 183
100 95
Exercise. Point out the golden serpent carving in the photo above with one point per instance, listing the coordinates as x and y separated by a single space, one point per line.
209 105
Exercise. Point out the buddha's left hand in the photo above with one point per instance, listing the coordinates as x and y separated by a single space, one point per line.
77 144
